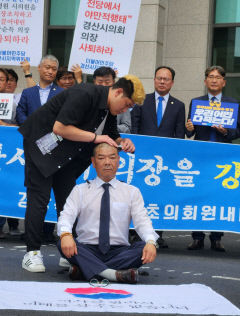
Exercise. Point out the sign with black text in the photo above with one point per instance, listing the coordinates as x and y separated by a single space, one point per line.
6 106
21 31
104 35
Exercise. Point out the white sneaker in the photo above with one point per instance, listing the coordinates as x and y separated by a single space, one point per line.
32 261
64 263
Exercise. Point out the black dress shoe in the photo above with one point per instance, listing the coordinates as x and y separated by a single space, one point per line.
196 245
161 243
217 246
75 273
127 276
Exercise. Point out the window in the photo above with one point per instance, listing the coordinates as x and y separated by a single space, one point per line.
62 20
227 11
226 43
63 12
226 48
59 44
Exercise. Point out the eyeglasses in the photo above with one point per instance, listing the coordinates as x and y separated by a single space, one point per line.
215 77
164 79
96 283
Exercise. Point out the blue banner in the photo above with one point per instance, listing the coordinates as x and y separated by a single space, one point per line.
186 185
208 113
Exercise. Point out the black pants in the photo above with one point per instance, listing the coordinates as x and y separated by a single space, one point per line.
38 195
13 223
213 236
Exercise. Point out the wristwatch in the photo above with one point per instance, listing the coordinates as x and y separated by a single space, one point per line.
152 242
28 75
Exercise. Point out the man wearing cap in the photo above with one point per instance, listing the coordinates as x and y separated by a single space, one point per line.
59 137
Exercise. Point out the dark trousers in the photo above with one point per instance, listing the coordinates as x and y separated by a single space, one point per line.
213 236
92 262
38 195
13 223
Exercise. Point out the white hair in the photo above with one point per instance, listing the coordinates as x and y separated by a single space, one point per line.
49 57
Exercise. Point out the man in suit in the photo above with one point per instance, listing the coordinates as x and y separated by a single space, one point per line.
215 82
161 114
144 119
32 99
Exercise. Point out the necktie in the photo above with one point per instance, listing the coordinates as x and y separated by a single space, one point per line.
213 135
104 243
159 110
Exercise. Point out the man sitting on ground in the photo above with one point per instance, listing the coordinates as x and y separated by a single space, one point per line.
104 209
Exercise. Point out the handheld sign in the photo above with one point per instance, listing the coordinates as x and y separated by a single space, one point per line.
21 31
104 35
209 113
6 106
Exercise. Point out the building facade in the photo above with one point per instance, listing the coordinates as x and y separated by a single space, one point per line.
187 35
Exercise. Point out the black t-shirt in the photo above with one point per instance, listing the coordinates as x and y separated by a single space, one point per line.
79 105
83 106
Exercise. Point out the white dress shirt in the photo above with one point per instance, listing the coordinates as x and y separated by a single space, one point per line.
44 93
164 102
17 97
126 204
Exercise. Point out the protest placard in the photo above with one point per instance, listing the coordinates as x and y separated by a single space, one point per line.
6 106
104 35
209 113
21 31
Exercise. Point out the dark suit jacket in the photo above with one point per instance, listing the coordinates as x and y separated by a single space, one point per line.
30 101
144 118
203 132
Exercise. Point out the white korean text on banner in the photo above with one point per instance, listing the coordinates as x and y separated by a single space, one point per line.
21 31
209 113
104 35
6 106
186 185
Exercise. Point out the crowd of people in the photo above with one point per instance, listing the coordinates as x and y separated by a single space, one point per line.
66 126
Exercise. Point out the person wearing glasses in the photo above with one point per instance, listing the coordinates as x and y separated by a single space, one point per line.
104 208
161 114
215 82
